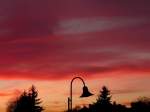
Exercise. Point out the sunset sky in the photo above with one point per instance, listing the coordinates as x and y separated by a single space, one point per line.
48 42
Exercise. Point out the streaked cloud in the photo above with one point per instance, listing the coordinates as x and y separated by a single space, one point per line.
87 25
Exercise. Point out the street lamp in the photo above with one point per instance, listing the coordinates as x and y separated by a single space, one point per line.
85 93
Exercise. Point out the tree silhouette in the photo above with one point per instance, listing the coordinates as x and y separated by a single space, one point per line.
103 102
26 102
104 97
141 105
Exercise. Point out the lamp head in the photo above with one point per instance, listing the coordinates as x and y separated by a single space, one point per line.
86 92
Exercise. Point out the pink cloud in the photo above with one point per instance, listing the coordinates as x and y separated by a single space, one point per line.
30 49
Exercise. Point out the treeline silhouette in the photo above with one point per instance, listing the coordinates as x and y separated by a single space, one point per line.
28 101
104 104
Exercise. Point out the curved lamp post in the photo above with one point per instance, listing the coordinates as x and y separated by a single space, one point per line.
85 93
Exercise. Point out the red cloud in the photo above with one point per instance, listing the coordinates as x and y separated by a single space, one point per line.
30 50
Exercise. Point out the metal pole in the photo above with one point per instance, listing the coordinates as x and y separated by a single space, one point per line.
68 104
70 99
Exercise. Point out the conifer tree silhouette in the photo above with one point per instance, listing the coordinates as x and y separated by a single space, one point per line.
26 102
103 102
104 97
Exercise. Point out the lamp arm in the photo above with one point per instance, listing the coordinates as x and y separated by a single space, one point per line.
71 89
77 78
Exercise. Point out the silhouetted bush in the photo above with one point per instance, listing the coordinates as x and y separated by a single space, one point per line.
141 105
79 109
119 108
